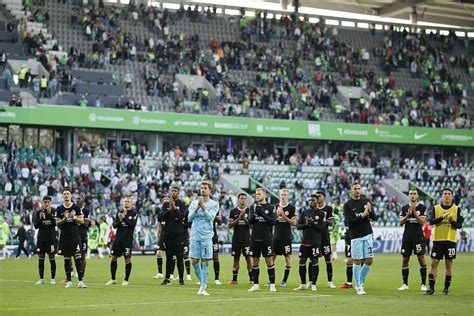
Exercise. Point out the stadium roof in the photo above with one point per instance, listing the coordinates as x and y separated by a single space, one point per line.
457 13
443 13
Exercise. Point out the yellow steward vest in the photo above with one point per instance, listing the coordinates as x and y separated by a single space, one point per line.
444 231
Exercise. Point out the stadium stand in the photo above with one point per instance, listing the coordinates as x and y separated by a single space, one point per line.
293 70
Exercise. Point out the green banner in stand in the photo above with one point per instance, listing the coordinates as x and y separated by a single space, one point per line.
232 126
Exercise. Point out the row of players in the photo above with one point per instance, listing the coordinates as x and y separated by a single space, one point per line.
261 230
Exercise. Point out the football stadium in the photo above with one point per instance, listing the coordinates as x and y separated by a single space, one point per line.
267 157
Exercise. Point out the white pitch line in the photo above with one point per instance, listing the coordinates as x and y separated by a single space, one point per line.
218 289
161 303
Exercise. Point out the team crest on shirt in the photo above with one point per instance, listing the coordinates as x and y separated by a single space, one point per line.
434 254
266 211
38 250
316 217
130 217
403 250
287 213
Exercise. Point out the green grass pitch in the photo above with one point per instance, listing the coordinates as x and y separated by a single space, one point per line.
145 296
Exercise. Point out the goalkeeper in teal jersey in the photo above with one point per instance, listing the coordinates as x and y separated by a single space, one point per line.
334 231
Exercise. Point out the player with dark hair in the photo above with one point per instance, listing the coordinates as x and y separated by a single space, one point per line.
68 218
46 239
238 220
201 214
326 241
357 214
312 222
413 216
174 215
262 218
125 222
282 236
446 219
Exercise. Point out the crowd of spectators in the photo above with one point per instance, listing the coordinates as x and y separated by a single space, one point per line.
131 169
297 66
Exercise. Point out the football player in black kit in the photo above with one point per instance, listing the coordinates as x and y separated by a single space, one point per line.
413 216
238 220
312 222
174 215
215 249
125 222
326 242
262 218
282 236
68 217
358 213
46 239
83 230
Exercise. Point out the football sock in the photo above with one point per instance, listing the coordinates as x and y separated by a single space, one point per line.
302 271
235 274
197 270
204 274
271 273
256 273
53 268
250 275
423 274
80 271
113 269
67 268
356 271
349 273
405 272
432 281
363 272
128 270
217 268
159 262
329 270
187 264
447 282
287 273
315 273
41 267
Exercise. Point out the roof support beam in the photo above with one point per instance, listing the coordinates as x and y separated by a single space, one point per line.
397 7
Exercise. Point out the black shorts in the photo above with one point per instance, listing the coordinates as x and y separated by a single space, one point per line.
161 244
215 245
261 248
311 252
48 247
69 248
120 248
240 247
348 250
282 247
446 249
84 245
325 248
412 246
